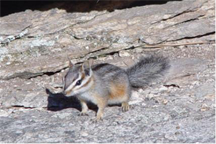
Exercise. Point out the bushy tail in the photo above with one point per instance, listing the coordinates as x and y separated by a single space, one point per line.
148 69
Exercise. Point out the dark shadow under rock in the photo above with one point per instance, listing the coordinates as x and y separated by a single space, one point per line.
9 7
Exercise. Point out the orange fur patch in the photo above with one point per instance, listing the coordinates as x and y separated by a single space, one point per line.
117 91
98 100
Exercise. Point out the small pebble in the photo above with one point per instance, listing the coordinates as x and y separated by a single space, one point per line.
162 89
84 134
124 54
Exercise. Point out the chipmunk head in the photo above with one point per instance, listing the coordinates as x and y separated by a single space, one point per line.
77 80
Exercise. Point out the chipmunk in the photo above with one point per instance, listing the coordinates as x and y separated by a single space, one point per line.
104 84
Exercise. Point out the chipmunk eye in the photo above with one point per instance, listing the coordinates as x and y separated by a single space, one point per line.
78 82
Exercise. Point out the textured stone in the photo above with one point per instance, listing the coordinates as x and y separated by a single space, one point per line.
99 32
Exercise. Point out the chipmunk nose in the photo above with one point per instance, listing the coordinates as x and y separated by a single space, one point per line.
65 93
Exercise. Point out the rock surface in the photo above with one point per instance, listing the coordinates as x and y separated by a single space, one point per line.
35 47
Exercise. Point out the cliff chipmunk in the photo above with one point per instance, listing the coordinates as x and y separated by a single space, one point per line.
104 83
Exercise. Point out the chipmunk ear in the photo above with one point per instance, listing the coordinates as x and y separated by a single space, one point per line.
82 68
88 71
70 63
90 65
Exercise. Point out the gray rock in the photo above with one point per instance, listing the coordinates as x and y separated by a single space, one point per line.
112 32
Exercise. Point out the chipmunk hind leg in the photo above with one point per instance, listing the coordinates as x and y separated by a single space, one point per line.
125 105
120 93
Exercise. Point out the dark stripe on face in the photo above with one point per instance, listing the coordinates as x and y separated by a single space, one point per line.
82 76
85 83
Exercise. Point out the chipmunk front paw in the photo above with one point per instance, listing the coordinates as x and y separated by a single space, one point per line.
83 114
96 120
